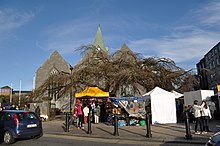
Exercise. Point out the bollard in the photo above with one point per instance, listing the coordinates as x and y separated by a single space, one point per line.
148 135
188 133
67 122
89 123
116 125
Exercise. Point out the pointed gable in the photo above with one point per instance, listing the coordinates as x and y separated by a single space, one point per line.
124 53
54 64
99 42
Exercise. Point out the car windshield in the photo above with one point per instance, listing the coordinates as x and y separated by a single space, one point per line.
26 116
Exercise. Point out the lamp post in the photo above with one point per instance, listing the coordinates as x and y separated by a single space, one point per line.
70 100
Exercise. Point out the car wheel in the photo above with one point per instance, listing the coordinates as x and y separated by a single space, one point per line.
8 138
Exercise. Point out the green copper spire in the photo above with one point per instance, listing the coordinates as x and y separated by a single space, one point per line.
99 42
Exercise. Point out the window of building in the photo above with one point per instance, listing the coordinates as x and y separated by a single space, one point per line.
217 61
53 71
213 64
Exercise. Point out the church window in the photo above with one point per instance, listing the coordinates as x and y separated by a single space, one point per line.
53 71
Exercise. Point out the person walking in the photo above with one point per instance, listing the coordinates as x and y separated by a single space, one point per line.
206 115
197 114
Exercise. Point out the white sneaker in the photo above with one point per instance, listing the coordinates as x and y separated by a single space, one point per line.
197 132
204 132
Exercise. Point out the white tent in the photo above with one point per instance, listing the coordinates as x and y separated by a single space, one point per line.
199 95
177 94
163 106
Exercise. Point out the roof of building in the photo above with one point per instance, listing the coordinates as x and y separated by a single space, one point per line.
99 42
5 87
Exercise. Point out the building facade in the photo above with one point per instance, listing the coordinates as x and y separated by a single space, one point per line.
209 69
6 90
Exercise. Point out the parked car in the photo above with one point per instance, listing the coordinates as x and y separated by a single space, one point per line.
214 140
16 124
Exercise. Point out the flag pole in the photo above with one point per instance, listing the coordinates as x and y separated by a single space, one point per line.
11 95
19 96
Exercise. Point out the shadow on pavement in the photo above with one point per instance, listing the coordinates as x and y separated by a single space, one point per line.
105 131
182 141
132 132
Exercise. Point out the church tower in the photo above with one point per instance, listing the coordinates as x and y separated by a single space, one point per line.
99 42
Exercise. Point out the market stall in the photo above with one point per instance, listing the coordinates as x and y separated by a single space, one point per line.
131 110
92 92
163 106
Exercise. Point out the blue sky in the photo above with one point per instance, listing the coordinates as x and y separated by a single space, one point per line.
30 30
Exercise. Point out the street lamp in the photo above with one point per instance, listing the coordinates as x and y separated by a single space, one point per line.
71 92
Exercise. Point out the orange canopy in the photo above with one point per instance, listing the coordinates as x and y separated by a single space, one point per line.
92 92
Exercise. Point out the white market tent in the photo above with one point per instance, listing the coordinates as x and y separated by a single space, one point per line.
199 95
177 94
163 106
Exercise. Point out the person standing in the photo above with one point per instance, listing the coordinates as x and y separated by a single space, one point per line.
26 108
197 114
37 111
96 113
80 115
206 114
85 112
212 108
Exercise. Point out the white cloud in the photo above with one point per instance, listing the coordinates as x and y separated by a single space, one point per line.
208 14
68 36
11 19
189 41
180 48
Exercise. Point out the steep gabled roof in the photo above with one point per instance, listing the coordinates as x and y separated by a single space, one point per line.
124 52
54 62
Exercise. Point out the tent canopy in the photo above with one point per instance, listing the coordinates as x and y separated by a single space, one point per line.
126 98
92 92
177 94
163 106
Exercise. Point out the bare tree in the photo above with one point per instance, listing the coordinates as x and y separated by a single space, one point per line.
121 70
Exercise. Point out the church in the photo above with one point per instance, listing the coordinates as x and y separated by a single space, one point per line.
56 63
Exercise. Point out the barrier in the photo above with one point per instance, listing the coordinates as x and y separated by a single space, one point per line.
116 125
188 133
148 135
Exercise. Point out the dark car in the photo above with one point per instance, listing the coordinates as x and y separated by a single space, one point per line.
214 140
16 124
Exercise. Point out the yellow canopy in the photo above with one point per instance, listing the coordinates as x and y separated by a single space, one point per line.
92 92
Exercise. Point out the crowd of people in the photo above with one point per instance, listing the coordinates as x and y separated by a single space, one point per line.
82 111
13 107
199 114
16 107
